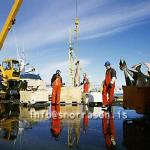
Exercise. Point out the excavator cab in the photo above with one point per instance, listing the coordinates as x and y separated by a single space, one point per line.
11 69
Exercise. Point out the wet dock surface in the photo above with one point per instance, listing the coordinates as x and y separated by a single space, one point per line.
76 127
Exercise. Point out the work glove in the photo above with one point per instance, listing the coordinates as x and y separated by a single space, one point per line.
110 85
81 83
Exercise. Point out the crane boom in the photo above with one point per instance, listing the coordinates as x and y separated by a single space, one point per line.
9 21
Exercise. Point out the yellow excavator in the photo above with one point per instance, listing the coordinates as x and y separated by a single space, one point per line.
9 70
10 79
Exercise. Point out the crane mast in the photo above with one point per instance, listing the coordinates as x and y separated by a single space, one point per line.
72 57
71 66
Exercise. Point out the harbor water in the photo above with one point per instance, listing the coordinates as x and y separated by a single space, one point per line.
77 127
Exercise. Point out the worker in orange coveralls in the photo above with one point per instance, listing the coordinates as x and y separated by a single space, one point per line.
55 122
109 86
109 130
56 83
85 121
85 83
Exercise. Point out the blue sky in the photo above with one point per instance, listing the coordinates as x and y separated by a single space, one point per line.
108 30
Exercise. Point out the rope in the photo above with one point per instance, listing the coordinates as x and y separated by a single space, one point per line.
16 42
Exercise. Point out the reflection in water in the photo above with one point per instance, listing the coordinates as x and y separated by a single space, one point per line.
14 119
109 130
72 122
34 115
55 121
76 120
73 136
136 133
85 119
9 121
69 127
66 117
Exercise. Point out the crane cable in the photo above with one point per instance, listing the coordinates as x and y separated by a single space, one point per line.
16 41
76 7
76 36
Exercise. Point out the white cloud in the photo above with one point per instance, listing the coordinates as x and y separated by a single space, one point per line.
52 24
114 22
109 32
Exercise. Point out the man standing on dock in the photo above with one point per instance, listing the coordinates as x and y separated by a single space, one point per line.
109 86
56 83
85 83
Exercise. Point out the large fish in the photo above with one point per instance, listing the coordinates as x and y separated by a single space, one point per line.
148 73
138 78
77 74
128 74
136 68
148 67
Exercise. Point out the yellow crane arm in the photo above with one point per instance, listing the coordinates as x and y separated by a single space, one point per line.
9 21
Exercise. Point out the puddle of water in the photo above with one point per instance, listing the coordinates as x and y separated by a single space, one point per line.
71 127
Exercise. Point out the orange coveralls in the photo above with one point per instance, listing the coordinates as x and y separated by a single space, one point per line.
86 85
85 122
108 128
56 90
55 123
108 93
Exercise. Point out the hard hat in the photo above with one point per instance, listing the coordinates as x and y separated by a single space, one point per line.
58 71
107 63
